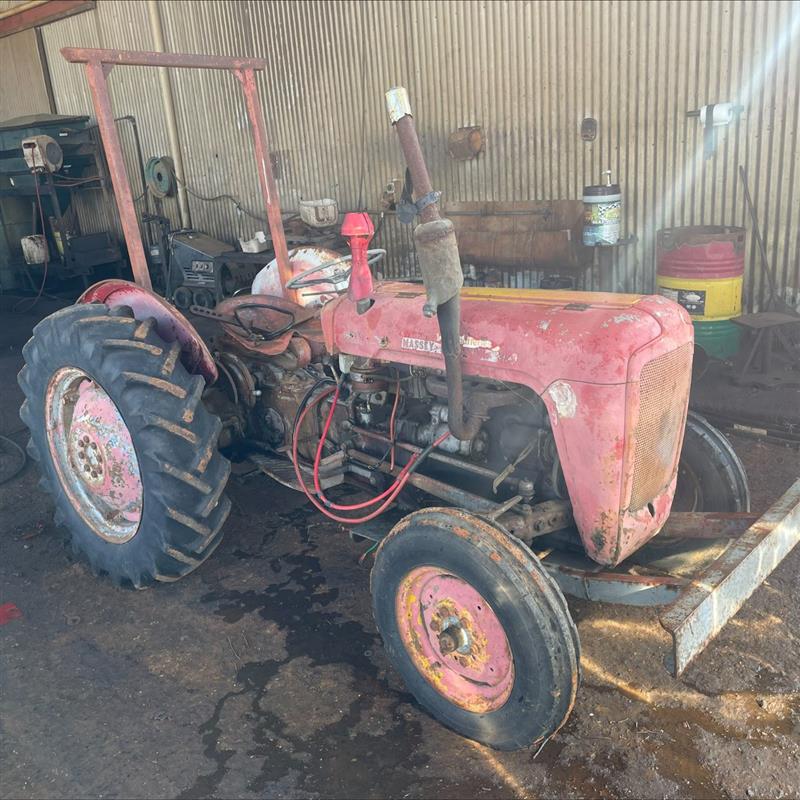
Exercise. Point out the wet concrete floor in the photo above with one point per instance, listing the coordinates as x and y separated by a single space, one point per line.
262 673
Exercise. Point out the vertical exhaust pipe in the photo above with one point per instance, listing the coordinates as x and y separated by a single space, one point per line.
439 261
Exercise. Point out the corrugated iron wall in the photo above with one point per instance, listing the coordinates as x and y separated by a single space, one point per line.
22 87
527 72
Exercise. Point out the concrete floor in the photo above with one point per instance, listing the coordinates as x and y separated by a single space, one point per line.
262 674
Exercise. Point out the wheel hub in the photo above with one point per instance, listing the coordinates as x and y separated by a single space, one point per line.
94 456
455 639
84 452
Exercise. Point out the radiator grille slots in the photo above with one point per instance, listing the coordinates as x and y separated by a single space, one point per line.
663 389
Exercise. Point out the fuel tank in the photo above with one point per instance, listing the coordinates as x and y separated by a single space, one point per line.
613 371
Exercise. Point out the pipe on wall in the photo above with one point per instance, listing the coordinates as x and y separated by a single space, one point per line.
169 110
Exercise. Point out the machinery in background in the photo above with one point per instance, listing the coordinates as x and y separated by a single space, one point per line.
203 271
45 160
191 268
198 270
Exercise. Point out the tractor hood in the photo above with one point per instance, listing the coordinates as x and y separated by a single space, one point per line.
613 371
525 336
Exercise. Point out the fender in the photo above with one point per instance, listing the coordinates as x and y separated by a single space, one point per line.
171 325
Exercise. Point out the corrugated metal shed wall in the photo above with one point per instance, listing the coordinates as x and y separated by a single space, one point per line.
528 72
22 86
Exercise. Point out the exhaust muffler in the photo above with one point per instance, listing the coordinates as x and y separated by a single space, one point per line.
439 261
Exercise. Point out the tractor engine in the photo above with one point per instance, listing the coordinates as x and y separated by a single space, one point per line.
385 413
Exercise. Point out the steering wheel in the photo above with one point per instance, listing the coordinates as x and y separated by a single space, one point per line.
302 280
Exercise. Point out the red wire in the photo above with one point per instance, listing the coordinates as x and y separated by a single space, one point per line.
392 492
318 458
314 501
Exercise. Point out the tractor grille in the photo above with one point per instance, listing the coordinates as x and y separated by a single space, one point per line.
663 390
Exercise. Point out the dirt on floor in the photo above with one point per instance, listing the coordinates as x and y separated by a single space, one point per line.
262 673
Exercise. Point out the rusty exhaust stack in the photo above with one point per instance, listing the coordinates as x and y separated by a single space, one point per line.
439 261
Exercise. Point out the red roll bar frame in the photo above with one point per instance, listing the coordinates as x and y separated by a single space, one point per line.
99 64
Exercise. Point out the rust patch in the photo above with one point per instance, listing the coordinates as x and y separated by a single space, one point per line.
206 457
188 414
113 320
180 556
187 477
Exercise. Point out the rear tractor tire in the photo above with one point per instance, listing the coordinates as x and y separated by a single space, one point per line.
124 444
480 633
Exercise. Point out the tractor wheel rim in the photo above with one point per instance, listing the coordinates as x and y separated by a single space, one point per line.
93 453
688 490
455 639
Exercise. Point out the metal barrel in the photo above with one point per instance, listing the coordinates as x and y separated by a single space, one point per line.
719 339
702 269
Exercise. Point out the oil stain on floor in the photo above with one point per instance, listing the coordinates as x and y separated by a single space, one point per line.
262 674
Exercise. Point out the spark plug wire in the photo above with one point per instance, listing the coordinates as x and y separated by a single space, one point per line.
390 494
318 459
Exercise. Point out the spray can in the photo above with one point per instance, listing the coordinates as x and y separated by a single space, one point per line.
602 206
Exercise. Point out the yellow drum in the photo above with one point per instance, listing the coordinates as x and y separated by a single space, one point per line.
702 269
704 298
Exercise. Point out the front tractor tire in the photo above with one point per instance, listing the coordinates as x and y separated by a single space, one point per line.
124 444
479 631
711 477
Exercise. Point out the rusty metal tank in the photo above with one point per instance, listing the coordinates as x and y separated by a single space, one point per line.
702 268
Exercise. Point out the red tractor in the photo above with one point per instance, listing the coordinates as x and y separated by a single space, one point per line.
478 422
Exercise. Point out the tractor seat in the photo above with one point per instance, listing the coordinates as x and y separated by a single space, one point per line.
264 324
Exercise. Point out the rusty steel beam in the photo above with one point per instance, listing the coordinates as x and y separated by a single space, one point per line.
96 74
34 14
266 178
147 58
706 524
434 455
99 64
700 612
620 588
